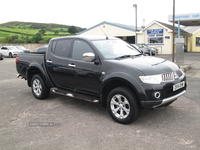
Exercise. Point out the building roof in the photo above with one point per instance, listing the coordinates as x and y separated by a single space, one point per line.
126 27
192 29
168 27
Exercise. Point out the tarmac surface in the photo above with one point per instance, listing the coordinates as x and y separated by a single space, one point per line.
188 61
61 123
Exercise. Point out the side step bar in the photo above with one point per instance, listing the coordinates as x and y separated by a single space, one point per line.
74 95
18 75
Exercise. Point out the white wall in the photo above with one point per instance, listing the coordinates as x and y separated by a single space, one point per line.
30 46
166 47
109 30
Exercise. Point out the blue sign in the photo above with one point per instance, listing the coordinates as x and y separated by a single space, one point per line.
155 31
167 37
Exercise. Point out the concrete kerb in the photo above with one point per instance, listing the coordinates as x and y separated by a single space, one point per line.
188 65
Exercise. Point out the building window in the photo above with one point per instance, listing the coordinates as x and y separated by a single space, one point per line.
155 38
197 41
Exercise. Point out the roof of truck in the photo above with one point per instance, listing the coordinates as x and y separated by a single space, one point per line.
88 37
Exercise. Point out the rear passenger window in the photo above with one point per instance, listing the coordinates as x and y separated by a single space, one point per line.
62 47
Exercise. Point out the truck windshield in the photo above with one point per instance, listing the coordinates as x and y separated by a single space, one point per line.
111 49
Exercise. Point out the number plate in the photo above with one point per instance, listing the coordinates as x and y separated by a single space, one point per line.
178 85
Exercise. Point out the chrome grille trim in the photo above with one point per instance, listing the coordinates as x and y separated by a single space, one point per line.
168 77
171 76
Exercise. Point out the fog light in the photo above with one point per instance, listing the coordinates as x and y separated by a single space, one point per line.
157 95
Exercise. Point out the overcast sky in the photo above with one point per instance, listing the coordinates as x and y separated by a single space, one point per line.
87 13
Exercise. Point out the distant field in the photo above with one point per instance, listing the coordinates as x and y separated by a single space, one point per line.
6 32
22 31
31 31
15 31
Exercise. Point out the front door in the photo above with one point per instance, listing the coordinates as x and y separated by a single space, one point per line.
83 76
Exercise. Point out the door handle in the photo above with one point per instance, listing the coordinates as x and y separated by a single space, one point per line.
71 65
49 61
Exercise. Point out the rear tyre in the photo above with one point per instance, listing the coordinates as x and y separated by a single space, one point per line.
39 88
123 105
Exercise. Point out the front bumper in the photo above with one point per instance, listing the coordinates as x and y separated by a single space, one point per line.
159 103
167 93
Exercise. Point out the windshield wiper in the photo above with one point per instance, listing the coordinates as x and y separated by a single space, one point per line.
138 54
124 56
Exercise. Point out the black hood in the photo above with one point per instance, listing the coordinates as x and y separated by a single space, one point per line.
149 65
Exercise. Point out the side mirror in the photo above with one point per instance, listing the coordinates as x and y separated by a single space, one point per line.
89 57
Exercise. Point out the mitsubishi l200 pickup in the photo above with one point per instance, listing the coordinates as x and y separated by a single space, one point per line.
104 70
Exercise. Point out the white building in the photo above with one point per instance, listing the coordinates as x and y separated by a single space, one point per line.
125 32
156 34
160 35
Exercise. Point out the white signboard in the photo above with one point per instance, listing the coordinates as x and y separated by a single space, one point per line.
185 17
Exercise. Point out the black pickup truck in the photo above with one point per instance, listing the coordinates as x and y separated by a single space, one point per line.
103 70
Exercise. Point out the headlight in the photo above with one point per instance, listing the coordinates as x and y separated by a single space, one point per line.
152 79
182 72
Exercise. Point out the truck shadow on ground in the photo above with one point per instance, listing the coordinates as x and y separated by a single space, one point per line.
149 117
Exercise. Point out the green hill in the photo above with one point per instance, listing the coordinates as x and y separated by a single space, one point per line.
30 32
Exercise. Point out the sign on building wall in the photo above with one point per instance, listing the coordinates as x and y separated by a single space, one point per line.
155 31
167 37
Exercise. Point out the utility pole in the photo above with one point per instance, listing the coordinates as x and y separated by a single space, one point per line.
135 5
173 49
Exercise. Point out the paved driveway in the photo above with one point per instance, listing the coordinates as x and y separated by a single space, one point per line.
64 123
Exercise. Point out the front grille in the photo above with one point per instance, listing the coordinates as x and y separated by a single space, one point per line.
168 77
171 76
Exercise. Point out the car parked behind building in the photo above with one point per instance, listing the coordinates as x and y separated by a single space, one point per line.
137 48
23 49
143 50
41 49
150 50
10 51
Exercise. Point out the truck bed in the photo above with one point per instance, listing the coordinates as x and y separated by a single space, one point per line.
25 60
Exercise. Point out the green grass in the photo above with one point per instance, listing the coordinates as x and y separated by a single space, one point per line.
22 31
4 34
30 32
30 29
59 29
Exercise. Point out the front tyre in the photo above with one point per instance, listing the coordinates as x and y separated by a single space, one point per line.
123 105
39 88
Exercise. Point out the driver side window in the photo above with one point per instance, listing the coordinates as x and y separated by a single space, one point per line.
80 47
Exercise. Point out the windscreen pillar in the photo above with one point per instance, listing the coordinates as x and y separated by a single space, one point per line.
179 47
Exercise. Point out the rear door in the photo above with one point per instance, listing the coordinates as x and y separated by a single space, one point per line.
57 61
